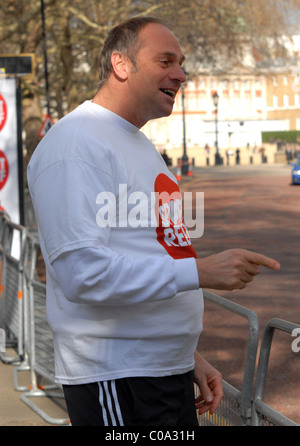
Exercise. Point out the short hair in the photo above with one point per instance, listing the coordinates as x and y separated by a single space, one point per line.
123 38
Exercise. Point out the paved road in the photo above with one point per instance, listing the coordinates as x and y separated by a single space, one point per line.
253 207
257 208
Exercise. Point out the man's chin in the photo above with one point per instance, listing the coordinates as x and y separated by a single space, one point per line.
162 112
165 112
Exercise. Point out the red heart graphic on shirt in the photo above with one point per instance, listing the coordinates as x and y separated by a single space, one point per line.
171 231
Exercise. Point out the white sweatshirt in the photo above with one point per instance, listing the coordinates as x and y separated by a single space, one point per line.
123 295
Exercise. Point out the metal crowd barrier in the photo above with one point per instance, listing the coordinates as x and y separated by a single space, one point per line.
262 413
23 317
40 345
246 407
24 365
235 408
13 238
3 219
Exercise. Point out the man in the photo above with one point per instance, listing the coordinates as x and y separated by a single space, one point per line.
123 299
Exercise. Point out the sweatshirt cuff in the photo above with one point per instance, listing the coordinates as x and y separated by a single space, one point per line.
186 274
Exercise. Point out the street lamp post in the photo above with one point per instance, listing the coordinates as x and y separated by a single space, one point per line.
216 103
184 159
45 56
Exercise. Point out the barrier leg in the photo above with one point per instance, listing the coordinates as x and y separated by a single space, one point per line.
23 367
45 392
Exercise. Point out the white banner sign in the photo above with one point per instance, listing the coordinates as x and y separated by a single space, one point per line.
9 178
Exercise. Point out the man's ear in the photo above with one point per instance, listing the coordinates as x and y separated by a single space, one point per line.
120 65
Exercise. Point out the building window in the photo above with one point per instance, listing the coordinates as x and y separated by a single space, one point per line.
236 100
297 100
285 80
275 101
225 85
201 84
248 100
286 100
192 102
225 103
202 101
275 81
257 85
213 85
190 85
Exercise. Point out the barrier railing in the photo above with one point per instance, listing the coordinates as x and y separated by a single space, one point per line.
40 345
241 407
13 238
24 365
235 408
262 413
3 219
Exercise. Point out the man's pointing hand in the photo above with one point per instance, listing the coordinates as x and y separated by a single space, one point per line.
232 269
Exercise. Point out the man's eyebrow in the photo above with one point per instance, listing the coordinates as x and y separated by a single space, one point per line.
172 55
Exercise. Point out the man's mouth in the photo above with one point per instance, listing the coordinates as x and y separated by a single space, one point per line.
168 92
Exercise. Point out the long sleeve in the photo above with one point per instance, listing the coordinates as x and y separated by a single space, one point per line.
100 276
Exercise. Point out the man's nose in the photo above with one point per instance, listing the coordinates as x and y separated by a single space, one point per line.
178 74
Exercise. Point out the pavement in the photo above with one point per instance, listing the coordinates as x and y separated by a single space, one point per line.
253 207
14 412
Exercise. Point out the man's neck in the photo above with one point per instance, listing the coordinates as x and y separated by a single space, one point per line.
115 101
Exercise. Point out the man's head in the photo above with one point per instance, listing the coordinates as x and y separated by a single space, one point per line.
123 39
141 70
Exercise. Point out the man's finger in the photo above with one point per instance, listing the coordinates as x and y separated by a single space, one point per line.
252 268
260 259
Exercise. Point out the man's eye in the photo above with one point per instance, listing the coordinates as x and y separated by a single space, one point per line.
164 63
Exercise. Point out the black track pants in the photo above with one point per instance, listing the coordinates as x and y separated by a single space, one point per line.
138 401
